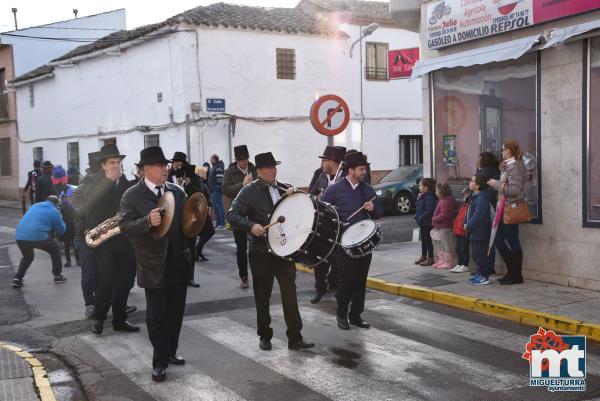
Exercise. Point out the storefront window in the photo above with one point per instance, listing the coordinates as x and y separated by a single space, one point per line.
475 109
593 157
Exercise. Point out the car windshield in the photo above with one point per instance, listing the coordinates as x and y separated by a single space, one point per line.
400 174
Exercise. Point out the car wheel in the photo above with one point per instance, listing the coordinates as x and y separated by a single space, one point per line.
403 203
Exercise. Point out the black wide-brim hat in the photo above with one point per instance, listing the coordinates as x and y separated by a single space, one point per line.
355 159
241 152
179 157
109 151
265 160
47 164
335 153
152 155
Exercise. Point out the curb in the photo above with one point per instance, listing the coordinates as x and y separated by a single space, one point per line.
516 314
40 377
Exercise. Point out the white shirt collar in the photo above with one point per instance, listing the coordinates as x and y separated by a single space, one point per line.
351 184
152 186
511 160
241 169
275 195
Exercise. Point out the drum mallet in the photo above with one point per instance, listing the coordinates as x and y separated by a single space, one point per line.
361 208
280 220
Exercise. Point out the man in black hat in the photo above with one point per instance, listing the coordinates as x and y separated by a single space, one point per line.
163 264
250 212
348 195
115 266
31 177
330 164
86 254
239 174
43 184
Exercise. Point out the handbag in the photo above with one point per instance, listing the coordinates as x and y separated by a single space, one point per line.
516 213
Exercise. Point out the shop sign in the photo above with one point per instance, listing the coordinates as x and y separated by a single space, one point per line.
450 22
401 62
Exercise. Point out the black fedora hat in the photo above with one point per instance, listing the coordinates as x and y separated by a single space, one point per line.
109 151
152 155
47 164
265 160
355 159
179 157
241 152
335 153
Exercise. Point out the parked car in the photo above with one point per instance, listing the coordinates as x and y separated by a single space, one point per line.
399 189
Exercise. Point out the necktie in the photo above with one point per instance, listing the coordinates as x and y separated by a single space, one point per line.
159 188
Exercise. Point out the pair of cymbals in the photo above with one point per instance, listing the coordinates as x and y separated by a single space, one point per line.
195 212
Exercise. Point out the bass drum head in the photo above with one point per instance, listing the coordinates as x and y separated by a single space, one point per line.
358 232
288 237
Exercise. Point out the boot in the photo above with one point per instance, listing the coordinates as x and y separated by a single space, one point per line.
516 276
447 264
441 259
427 262
421 260
506 257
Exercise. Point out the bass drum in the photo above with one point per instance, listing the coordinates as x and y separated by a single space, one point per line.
310 230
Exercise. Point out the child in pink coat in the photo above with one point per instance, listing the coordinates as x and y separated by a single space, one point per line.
443 221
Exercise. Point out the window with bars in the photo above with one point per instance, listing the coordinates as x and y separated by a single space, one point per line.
151 140
5 159
38 154
376 67
31 96
286 64
73 159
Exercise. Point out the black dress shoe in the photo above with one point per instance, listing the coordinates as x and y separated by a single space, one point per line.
317 297
342 322
194 284
97 327
299 344
360 323
512 281
265 344
159 374
176 360
125 326
130 309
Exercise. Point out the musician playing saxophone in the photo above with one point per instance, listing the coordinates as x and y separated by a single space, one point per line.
115 271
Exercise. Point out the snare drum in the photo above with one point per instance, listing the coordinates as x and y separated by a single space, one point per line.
310 230
361 239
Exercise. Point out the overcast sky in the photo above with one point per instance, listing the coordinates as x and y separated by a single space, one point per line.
39 12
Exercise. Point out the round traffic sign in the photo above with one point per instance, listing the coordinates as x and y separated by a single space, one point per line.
329 115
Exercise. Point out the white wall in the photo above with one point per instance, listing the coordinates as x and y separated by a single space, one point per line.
30 53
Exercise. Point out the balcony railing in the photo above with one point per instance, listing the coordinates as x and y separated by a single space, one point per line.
3 106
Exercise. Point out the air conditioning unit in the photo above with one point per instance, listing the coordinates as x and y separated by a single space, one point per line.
196 107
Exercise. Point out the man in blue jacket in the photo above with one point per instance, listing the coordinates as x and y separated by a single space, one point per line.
348 195
33 232
215 184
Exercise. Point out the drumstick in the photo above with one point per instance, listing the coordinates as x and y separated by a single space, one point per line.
361 208
280 219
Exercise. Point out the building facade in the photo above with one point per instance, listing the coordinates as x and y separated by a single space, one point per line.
526 70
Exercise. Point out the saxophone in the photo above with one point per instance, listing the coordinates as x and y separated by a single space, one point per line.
103 231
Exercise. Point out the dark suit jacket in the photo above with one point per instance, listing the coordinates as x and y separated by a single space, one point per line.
44 187
164 261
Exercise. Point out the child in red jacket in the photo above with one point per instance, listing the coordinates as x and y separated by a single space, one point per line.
442 226
462 243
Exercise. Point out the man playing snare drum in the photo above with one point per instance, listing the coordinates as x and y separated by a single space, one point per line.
348 196
250 212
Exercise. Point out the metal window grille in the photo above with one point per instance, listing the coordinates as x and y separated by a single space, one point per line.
286 64
5 159
151 140
3 105
31 96
38 154
376 67
73 158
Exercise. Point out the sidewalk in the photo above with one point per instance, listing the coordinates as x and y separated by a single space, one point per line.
552 306
9 204
22 376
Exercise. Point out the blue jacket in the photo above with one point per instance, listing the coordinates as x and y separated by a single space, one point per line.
425 207
347 201
215 177
479 224
41 219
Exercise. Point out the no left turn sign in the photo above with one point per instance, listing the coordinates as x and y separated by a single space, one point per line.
329 115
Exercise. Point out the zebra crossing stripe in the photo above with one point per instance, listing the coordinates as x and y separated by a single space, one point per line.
132 356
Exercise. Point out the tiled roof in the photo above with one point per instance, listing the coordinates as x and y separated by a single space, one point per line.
287 20
357 11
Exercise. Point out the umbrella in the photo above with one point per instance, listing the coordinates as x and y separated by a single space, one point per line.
496 222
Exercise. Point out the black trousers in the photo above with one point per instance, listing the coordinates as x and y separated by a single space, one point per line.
241 243
462 250
68 243
426 241
164 316
115 275
206 234
325 273
88 271
27 247
352 283
265 268
479 252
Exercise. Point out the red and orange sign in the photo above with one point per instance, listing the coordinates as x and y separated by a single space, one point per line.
329 115
401 62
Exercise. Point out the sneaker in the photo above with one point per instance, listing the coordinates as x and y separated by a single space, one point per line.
472 279
453 270
89 311
17 283
461 269
480 280
59 279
